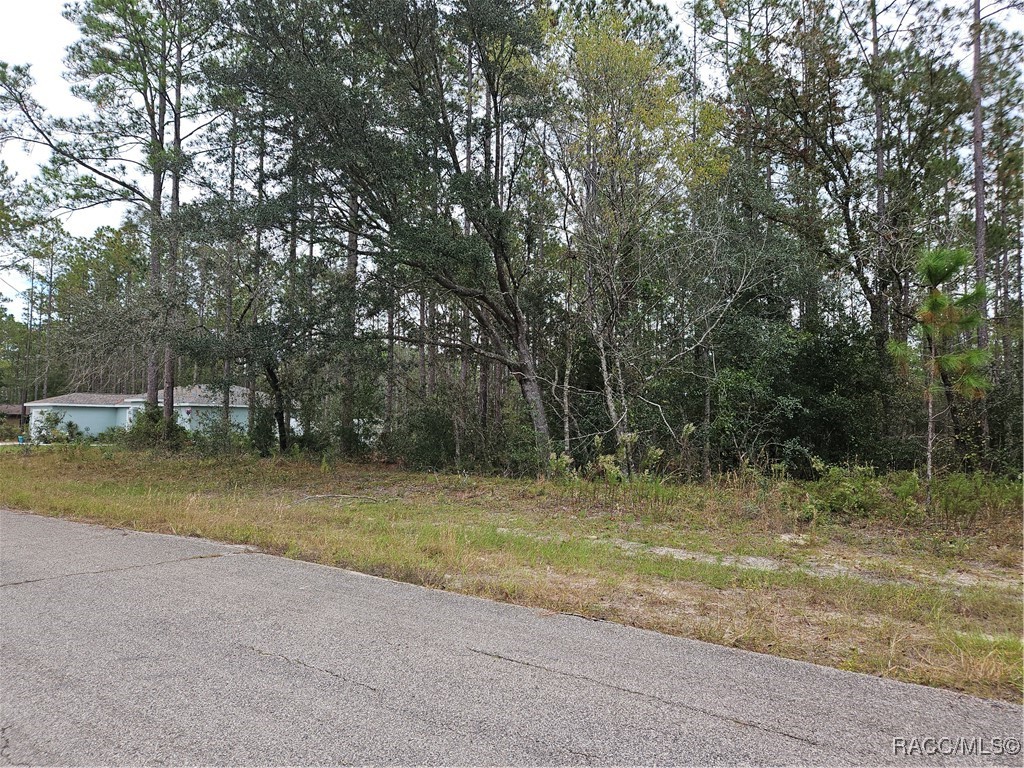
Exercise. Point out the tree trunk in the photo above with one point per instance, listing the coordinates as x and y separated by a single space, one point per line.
155 280
979 177
256 310
566 383
608 387
351 308
929 448
930 442
423 345
174 241
229 278
431 348
978 142
880 213
279 409
531 389
389 386
705 357
483 393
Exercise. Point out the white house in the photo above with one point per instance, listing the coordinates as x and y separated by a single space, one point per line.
95 412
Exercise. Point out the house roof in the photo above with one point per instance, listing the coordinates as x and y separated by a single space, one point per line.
200 395
81 398
10 409
183 396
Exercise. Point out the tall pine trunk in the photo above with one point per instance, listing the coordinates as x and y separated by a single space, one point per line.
174 240
978 142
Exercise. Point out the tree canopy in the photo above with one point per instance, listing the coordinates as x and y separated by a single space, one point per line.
500 234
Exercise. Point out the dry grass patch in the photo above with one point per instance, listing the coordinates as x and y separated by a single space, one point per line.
919 604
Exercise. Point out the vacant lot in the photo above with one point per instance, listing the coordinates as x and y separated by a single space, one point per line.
766 565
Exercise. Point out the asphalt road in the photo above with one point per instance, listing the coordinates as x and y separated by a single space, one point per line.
130 648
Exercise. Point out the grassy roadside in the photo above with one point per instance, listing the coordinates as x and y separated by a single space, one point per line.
739 563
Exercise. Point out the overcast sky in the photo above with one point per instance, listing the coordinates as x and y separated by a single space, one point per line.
34 32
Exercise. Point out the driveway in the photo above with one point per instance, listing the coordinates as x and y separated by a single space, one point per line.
119 647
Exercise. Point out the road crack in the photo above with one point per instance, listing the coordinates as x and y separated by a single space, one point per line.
588 759
124 568
307 665
5 747
650 697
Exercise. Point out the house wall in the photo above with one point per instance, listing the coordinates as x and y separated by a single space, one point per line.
195 416
90 419
96 419
124 416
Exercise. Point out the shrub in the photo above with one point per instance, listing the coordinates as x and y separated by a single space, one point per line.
112 436
263 434
214 436
147 431
560 466
51 428
842 494
514 447
426 439
74 433
960 500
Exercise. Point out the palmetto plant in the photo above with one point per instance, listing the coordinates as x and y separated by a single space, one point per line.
945 322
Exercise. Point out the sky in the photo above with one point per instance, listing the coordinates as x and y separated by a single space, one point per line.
34 32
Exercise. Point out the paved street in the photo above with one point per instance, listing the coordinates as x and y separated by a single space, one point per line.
122 647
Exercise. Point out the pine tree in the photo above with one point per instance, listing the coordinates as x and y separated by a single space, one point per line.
951 365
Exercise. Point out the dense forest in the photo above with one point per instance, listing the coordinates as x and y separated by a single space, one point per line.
511 235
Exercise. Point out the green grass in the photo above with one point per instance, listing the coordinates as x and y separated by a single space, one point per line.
897 610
